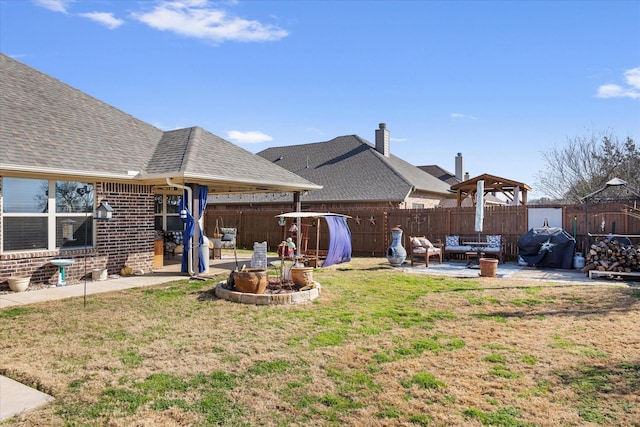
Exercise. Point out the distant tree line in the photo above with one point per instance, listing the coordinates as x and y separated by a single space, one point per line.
585 164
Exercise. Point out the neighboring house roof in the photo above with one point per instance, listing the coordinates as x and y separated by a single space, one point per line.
351 170
48 128
440 173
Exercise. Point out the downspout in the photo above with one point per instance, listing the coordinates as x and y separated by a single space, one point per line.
189 204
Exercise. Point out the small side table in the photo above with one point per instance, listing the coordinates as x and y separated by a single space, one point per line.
473 258
216 253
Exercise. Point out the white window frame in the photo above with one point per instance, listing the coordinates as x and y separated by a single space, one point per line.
164 214
51 216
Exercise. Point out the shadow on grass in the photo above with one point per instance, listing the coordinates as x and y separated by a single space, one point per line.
590 383
621 300
209 295
373 268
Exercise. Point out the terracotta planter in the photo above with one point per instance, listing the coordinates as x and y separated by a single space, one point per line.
488 267
19 284
252 281
302 276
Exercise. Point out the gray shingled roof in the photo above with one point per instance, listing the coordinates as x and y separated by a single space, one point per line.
351 170
440 173
199 155
48 128
46 124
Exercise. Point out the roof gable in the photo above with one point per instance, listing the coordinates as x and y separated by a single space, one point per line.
491 183
195 154
516 192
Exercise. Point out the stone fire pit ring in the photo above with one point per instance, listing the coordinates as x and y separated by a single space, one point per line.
266 298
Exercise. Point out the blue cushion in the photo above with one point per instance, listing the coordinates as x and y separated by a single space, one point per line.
494 241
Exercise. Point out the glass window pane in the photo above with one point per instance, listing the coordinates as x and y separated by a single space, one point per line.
24 195
173 203
157 223
70 231
24 233
157 200
174 223
74 197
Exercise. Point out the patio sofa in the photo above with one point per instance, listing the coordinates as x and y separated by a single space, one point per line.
458 245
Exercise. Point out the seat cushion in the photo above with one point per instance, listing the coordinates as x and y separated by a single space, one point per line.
425 242
459 248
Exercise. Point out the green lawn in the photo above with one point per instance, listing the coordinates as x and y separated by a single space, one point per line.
378 347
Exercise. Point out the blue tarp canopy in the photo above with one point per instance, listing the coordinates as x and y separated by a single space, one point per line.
339 250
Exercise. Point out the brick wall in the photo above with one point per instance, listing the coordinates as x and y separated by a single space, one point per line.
125 240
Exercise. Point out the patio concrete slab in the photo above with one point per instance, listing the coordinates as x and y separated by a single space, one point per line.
16 398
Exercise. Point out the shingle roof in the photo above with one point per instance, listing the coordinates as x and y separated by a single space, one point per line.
47 124
49 128
200 155
440 173
350 169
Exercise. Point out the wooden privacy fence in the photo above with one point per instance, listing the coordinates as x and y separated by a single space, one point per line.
371 235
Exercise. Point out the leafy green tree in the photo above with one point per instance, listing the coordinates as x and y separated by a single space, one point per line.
586 163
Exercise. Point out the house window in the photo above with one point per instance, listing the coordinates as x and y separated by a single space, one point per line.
167 214
417 206
46 215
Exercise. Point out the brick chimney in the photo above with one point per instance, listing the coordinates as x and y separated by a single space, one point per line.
382 140
459 166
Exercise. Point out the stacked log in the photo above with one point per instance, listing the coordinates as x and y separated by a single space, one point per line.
612 255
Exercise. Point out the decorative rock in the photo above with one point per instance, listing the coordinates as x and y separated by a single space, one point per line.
268 299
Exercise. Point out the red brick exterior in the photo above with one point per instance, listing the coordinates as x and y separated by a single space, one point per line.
125 240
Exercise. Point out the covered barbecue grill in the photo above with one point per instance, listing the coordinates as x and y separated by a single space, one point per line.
547 247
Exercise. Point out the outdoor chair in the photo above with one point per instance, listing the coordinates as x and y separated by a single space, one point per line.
421 247
173 242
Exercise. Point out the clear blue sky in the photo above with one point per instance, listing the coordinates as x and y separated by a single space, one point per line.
498 81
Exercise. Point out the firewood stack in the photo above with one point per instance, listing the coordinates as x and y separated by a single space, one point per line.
612 255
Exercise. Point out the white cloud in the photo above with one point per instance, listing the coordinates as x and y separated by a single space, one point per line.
105 18
398 139
251 137
196 19
55 5
463 116
630 90
632 77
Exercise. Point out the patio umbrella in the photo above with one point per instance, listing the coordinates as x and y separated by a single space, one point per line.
479 207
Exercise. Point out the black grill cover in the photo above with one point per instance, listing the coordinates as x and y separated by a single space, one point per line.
547 247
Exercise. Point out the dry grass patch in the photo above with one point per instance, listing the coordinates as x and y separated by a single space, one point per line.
379 347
